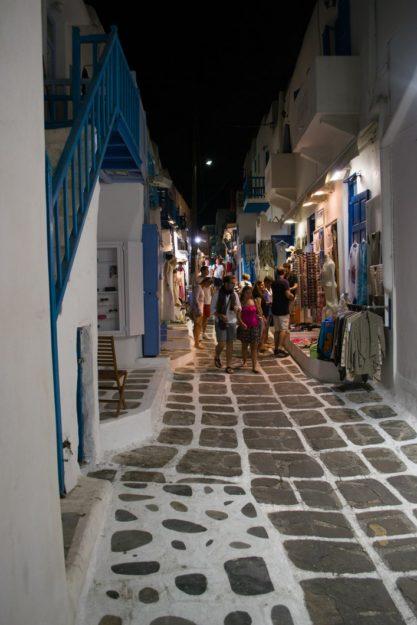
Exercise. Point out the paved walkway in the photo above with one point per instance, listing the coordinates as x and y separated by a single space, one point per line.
268 499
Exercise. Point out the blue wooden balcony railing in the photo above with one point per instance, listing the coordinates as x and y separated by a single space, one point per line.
103 119
170 214
254 187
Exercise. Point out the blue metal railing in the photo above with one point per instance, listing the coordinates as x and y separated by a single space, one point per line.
111 93
111 96
254 187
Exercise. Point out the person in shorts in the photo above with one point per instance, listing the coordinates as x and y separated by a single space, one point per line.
198 310
226 307
292 278
208 295
281 298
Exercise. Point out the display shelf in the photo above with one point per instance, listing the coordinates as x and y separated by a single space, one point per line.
110 273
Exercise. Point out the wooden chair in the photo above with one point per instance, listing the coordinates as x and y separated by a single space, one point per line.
108 373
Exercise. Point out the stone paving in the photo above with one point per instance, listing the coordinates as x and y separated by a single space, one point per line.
137 385
269 499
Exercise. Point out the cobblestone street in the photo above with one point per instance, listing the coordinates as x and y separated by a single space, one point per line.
270 499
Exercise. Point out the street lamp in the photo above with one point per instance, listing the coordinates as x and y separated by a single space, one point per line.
209 162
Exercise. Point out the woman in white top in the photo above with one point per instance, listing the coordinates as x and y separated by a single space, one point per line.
219 272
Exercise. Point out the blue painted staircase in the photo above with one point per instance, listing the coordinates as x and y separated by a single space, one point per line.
103 114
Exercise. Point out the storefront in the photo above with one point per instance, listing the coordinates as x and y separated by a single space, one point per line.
337 261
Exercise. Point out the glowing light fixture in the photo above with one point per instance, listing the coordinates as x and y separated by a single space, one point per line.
319 193
198 239
209 163
337 174
290 221
309 203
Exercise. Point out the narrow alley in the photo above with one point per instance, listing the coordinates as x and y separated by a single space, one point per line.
269 499
208 389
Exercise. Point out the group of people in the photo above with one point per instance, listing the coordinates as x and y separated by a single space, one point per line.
244 312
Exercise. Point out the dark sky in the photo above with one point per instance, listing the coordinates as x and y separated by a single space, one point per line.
224 62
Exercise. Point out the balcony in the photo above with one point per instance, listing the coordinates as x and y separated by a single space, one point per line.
325 113
280 180
254 200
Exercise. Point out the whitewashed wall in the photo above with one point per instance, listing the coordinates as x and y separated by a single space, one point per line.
32 572
246 225
121 216
396 43
79 309
65 15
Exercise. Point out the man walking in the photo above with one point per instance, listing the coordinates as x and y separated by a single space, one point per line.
281 298
226 308
218 272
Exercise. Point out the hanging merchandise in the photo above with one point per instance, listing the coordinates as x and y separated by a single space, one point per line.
311 294
328 238
248 253
363 274
266 255
375 251
325 342
266 259
363 346
281 254
353 272
335 254
376 281
328 282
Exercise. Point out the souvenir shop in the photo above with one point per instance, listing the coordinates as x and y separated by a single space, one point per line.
259 260
338 316
175 276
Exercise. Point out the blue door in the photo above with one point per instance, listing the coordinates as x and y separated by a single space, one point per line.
357 217
150 240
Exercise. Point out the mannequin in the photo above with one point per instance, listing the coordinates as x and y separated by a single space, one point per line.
181 281
176 286
328 281
168 313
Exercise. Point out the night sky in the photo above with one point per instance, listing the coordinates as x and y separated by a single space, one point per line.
222 62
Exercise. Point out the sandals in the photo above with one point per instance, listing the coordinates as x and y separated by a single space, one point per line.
229 370
217 363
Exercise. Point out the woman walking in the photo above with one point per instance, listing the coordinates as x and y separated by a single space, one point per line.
249 330
263 311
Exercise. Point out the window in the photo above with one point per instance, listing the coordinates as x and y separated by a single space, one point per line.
357 217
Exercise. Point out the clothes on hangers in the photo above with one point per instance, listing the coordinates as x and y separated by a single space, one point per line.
358 344
281 254
375 251
362 295
353 272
